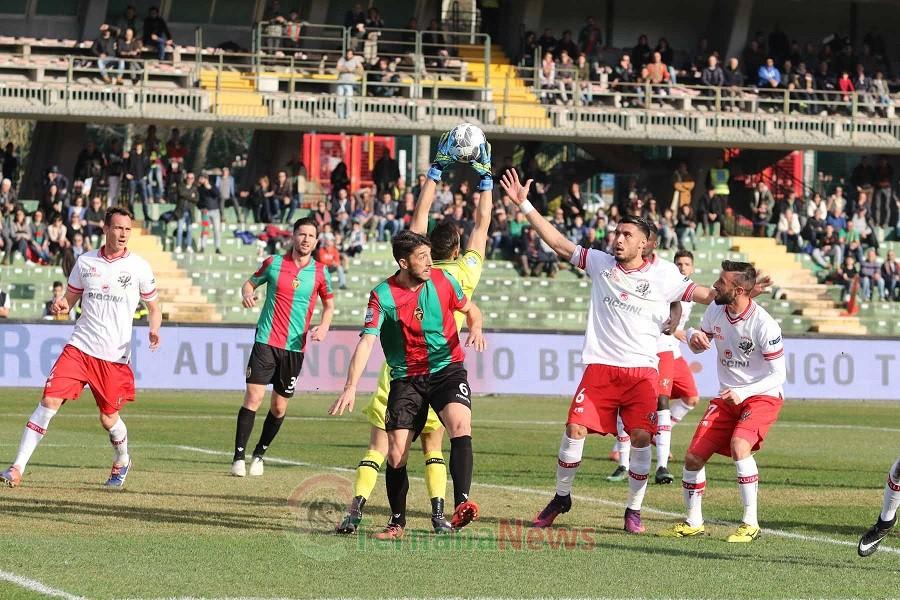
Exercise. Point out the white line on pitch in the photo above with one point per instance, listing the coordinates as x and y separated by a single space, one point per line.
513 488
33 585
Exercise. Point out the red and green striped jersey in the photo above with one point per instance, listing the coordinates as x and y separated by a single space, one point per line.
290 300
417 327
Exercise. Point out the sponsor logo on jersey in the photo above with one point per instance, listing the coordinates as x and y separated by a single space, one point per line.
124 279
735 364
419 314
105 296
642 288
88 272
472 261
746 346
370 314
775 342
617 304
578 410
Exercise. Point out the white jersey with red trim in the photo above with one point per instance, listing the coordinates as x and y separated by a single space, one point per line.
628 308
750 350
670 343
110 289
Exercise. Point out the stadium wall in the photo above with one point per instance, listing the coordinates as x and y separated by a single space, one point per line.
545 363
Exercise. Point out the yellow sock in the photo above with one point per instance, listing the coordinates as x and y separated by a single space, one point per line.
367 473
435 474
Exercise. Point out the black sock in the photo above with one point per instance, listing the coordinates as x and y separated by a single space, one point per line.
461 467
270 429
437 508
397 488
244 429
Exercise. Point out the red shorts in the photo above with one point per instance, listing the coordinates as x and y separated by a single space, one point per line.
606 391
666 373
683 384
750 420
111 383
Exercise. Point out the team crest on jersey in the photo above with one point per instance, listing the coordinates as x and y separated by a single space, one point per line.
419 314
652 417
643 287
124 279
606 273
295 283
728 354
623 296
104 288
249 370
745 415
746 346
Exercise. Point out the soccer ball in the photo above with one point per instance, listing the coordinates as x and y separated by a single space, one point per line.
465 142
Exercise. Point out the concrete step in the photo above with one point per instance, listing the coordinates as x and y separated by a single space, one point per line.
819 312
839 329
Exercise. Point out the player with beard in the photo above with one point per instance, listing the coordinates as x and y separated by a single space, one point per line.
413 312
293 281
630 300
752 369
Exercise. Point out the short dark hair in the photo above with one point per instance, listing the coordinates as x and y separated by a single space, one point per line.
640 222
305 221
57 284
406 242
683 254
746 273
113 211
444 240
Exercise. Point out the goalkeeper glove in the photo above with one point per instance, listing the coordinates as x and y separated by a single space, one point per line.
482 166
442 159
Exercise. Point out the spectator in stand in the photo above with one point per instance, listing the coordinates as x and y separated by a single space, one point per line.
90 162
826 84
789 230
115 169
547 42
623 74
156 32
500 237
210 203
572 203
641 51
566 44
762 217
584 35
845 85
57 240
260 200
754 58
186 201
667 235
225 186
40 241
862 223
890 274
881 94
349 70
93 218
686 227
8 195
340 180
683 185
106 51
321 214
282 199
549 85
565 77
54 177
386 213
20 234
59 291
659 73
845 275
761 193
828 252
883 194
733 79
386 173
533 258
711 208
330 257
769 79
355 22
862 84
9 163
128 49
136 170
712 75
382 80
76 209
870 277
407 207
356 242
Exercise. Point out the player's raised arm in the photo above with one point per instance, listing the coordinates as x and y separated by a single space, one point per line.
474 323
442 160
478 237
547 232
357 366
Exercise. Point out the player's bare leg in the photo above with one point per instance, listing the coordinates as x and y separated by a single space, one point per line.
638 474
571 448
436 478
457 418
253 398
870 541
277 410
693 485
397 482
118 437
748 484
622 451
366 478
663 440
35 429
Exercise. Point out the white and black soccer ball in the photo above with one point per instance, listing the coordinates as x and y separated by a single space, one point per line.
465 142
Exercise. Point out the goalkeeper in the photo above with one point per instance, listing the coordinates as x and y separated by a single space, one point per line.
466 269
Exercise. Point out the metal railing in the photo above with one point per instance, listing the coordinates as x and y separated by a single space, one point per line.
284 93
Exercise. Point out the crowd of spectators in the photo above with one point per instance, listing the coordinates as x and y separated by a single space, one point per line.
119 47
821 77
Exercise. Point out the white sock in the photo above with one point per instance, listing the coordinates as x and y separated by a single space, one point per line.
623 443
891 493
567 464
664 437
118 437
694 484
637 477
679 409
35 430
748 484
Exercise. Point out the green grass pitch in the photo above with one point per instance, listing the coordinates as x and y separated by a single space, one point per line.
184 528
